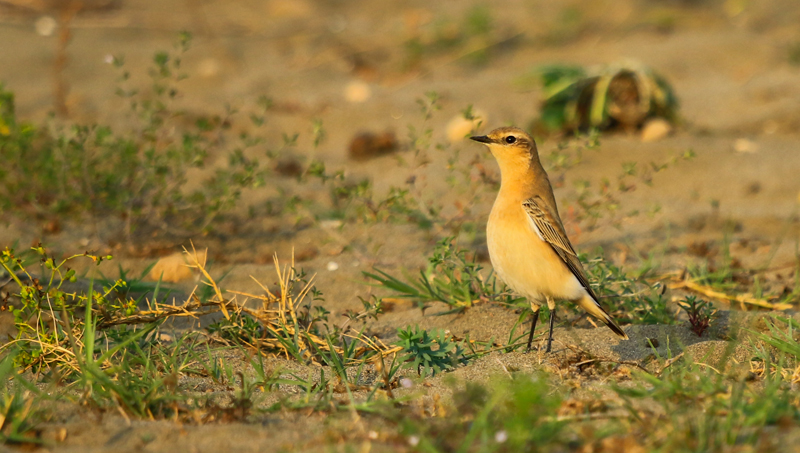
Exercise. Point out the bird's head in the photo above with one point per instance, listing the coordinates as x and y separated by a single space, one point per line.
511 146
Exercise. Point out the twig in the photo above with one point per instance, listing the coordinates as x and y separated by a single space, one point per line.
586 417
669 363
741 298
619 362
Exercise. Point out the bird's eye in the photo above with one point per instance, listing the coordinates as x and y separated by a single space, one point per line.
511 139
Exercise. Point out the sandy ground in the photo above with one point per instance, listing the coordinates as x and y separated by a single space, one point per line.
730 69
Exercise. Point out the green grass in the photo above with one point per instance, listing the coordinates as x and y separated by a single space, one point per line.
450 277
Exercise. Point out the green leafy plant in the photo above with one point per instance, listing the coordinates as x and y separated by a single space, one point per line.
428 353
701 313
450 277
620 94
628 298
17 399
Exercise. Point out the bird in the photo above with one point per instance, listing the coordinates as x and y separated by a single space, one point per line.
528 246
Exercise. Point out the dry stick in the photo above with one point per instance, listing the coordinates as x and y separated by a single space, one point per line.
742 298
587 417
669 363
202 269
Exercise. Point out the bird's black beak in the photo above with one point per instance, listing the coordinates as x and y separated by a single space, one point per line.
481 138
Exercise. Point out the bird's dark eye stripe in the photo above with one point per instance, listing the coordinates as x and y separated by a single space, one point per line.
511 139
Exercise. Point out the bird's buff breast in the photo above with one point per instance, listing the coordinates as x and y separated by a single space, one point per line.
523 261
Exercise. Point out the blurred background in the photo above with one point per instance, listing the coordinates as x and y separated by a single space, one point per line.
306 116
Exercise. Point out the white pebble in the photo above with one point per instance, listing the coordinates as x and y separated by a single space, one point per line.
45 25
333 265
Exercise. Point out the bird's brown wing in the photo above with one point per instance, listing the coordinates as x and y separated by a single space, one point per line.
550 230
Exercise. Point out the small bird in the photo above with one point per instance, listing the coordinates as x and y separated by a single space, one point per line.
528 246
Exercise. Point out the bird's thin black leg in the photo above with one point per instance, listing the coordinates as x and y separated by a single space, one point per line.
552 324
533 328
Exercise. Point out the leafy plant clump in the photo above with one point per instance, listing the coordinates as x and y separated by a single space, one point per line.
450 277
620 95
428 354
701 313
629 298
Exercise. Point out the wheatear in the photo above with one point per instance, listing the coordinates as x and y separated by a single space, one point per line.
528 246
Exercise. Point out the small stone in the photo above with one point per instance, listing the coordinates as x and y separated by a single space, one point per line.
208 67
333 266
45 26
53 226
288 167
330 224
306 253
655 129
745 146
357 92
367 145
175 268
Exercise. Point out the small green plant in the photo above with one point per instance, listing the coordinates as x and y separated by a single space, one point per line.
701 313
784 359
426 353
17 411
783 340
628 298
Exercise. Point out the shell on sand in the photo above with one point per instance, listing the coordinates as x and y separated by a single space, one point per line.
175 268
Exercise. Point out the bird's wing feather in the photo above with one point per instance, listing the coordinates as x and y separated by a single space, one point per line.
550 230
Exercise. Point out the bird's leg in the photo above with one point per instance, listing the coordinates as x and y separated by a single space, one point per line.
535 317
551 304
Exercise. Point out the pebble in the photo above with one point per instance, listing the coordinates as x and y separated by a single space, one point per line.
745 146
45 26
655 129
459 128
357 92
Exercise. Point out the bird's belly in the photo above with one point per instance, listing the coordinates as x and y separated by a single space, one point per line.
528 265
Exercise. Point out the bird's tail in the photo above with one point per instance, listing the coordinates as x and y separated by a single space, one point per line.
594 309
